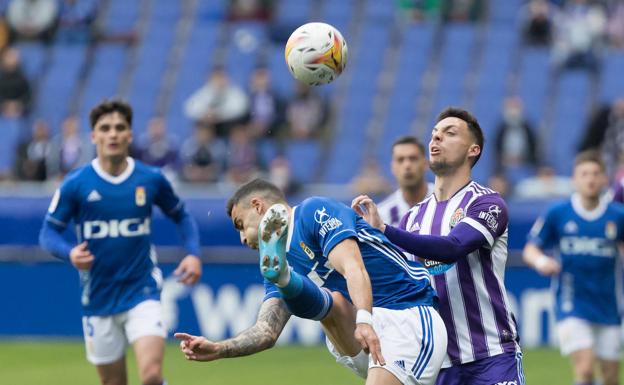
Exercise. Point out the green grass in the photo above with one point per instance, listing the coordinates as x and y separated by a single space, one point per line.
52 363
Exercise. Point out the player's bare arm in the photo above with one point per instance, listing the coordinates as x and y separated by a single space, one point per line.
535 257
272 318
345 257
189 270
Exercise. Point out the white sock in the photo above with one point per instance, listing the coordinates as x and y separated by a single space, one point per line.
360 361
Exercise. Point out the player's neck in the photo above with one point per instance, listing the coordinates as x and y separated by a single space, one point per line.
589 203
113 165
447 185
415 194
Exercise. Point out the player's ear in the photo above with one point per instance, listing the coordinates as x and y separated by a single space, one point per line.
258 205
474 150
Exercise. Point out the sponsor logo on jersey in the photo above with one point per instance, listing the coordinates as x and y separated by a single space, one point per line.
114 228
139 196
327 222
435 267
491 216
457 216
610 230
598 247
94 196
307 250
570 227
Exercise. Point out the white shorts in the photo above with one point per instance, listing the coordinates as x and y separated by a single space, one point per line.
413 343
576 334
106 338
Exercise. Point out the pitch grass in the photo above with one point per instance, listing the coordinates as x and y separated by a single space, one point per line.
63 363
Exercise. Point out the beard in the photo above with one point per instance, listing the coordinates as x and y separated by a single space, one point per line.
444 167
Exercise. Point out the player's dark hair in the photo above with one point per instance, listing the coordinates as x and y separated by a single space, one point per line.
409 139
471 122
108 106
257 186
592 156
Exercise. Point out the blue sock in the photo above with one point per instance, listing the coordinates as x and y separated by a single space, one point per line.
304 299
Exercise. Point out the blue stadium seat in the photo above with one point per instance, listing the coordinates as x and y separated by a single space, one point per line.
32 57
302 156
11 134
533 81
612 79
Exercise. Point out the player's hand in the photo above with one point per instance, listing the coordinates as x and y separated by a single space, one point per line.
197 348
364 206
366 336
81 257
189 270
548 266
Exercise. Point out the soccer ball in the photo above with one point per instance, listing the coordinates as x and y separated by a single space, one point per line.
316 53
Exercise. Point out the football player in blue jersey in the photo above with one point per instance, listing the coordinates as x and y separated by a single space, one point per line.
110 202
322 261
586 231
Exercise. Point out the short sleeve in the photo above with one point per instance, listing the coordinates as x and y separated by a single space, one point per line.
544 231
63 206
328 222
166 198
488 215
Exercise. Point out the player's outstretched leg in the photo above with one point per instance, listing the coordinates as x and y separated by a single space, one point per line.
272 243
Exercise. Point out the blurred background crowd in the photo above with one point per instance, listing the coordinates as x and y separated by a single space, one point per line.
214 102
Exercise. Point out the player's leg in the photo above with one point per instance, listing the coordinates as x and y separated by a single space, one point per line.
146 332
504 368
413 342
105 345
576 339
113 373
607 350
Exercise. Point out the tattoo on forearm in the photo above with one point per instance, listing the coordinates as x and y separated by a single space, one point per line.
262 335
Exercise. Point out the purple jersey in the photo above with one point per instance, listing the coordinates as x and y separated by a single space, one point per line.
394 206
618 191
473 299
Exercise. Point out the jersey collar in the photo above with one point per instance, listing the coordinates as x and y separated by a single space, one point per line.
95 163
291 226
588 215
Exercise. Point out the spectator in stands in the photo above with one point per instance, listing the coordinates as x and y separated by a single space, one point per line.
15 90
250 9
462 10
545 185
203 155
157 147
370 181
33 19
280 174
266 109
421 9
242 156
32 155
537 23
76 20
579 29
218 103
606 132
306 113
69 149
499 183
516 145
615 25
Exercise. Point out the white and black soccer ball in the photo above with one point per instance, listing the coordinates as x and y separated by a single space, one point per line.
316 53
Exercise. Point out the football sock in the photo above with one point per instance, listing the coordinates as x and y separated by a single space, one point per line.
304 299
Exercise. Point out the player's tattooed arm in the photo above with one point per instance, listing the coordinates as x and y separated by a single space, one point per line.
272 318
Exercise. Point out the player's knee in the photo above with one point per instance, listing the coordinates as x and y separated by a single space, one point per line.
151 375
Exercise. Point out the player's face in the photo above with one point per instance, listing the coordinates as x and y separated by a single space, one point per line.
246 219
112 136
451 146
589 179
408 165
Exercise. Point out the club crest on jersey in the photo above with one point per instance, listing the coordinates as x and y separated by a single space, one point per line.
139 196
457 216
435 267
307 250
610 230
570 227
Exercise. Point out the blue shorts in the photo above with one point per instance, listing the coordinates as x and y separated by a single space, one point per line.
504 368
